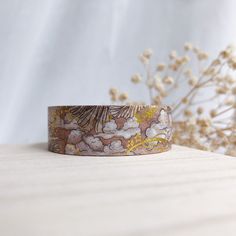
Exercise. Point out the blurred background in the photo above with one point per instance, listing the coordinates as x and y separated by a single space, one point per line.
59 52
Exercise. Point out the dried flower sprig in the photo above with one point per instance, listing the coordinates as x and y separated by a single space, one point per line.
205 116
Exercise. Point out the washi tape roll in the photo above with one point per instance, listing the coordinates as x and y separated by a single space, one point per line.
109 130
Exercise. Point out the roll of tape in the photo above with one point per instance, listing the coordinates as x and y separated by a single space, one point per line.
109 130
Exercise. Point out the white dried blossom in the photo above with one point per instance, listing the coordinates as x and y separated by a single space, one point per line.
136 78
233 90
219 79
150 82
216 62
230 79
114 94
185 100
161 67
196 50
159 86
173 55
192 121
209 71
222 90
148 53
231 47
188 113
193 81
200 110
188 46
229 101
188 73
202 55
144 59
113 91
123 97
227 53
232 63
213 113
168 80
179 61
174 67
185 59
157 100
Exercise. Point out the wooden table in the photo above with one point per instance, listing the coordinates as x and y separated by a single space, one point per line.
180 192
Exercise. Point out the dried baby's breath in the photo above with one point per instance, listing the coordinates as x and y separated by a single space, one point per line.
188 73
136 78
148 53
202 55
188 113
234 90
114 94
161 67
200 110
229 101
188 46
193 81
123 97
168 80
204 117
173 55
143 59
213 113
185 100
185 59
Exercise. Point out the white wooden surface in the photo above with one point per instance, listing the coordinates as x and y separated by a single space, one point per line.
181 192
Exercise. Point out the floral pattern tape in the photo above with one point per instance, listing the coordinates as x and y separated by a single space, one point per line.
109 130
